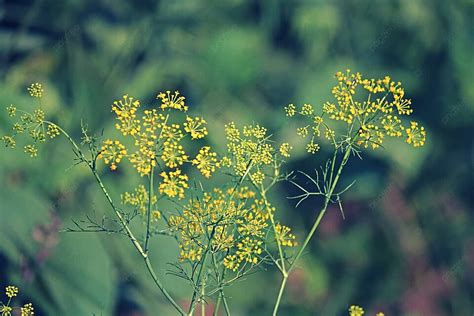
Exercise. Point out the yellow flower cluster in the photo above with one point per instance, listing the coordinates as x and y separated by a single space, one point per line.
250 151
174 183
53 131
355 310
143 132
285 149
312 147
139 199
373 117
196 127
206 161
9 141
416 135
198 218
11 291
172 101
125 111
11 110
27 310
249 250
112 152
144 156
284 236
233 223
31 123
8 310
173 154
158 140
31 150
35 90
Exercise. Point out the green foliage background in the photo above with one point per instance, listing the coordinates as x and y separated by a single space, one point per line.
406 245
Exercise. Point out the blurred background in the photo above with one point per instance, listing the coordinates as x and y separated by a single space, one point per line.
404 247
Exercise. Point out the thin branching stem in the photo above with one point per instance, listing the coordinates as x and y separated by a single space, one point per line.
150 201
201 268
122 220
331 187
281 266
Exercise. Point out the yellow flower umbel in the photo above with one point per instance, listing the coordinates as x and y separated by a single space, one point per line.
416 135
284 236
312 148
233 222
27 310
173 154
139 199
31 123
290 110
172 101
125 111
370 108
11 291
231 262
158 137
35 90
195 127
250 151
11 110
53 131
112 152
355 310
285 149
5 310
31 150
174 183
249 250
206 161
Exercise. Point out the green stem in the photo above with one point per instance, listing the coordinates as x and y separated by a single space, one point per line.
221 296
203 304
221 291
332 187
280 294
280 266
226 306
123 222
161 287
201 268
218 303
148 219
323 209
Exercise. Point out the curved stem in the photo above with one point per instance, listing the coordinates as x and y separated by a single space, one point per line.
280 266
323 209
333 183
122 221
161 287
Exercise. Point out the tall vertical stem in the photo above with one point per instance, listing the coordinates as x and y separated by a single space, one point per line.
148 219
333 183
203 303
